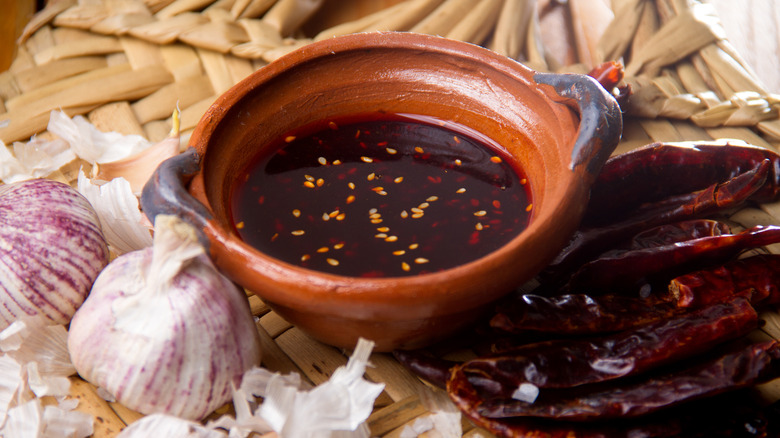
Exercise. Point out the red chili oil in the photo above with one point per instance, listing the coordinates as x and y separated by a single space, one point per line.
381 195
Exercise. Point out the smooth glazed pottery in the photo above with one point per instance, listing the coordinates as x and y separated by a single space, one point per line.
560 129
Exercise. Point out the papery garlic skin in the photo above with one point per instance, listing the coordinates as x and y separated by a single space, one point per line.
51 250
178 350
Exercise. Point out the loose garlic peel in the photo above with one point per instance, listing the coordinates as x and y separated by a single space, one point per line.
163 331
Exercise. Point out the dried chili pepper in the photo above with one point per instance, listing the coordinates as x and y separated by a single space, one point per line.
678 232
579 314
737 368
736 414
434 370
757 277
610 74
574 362
627 269
587 243
662 170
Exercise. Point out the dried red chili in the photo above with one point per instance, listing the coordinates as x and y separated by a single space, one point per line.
737 368
573 362
627 269
756 277
662 170
736 414
579 314
587 243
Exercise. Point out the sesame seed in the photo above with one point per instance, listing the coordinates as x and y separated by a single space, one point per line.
432 198
380 235
405 266
480 213
341 216
325 216
374 216
404 214
398 179
323 249
308 177
381 192
309 184
391 151
333 125
274 236
417 210
334 213
372 211
420 260
418 149
495 159
424 205
523 181
240 225
336 162
371 176
338 245
351 185
320 182
530 206
455 137
297 232
296 213
461 190
377 188
383 229
479 226
391 239
305 257
418 215
414 246
322 160
289 139
333 262
376 221
458 162
367 159
400 252
350 199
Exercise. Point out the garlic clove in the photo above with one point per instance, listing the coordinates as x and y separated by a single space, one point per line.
138 168
168 426
163 331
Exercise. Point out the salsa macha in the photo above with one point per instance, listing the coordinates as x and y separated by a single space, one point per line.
380 195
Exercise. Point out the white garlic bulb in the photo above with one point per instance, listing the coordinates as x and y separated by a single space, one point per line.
163 331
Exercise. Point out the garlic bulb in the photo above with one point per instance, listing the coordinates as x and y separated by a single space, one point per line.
51 250
163 331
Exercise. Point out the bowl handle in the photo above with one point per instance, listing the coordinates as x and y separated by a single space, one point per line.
601 121
166 193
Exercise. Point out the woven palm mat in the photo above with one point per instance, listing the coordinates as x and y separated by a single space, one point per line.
125 64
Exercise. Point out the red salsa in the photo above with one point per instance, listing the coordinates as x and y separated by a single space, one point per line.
380 195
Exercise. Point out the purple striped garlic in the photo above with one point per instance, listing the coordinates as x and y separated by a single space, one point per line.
51 250
162 331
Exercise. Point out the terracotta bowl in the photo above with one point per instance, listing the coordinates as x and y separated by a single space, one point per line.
559 128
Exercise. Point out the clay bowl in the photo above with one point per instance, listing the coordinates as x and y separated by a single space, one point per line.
559 128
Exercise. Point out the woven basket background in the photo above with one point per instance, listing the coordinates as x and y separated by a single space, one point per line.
126 64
